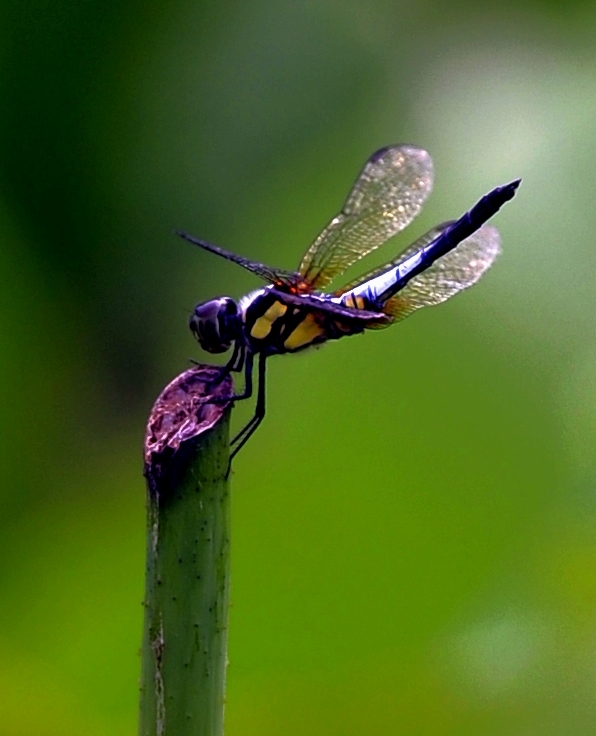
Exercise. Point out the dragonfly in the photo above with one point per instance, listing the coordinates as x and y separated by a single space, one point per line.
294 311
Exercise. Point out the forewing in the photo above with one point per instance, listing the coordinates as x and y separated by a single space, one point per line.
273 275
459 269
386 197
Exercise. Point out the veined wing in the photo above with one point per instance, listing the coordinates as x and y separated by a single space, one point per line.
417 245
273 275
457 270
386 197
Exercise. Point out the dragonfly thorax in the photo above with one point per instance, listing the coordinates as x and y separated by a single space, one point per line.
216 324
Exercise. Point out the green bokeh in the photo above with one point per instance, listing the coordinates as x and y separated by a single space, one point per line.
414 525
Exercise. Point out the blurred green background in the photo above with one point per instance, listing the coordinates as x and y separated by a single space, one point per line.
414 525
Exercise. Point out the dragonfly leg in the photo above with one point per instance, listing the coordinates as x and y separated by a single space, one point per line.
247 360
234 364
239 353
243 436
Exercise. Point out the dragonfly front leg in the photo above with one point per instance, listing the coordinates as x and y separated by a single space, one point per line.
234 364
246 359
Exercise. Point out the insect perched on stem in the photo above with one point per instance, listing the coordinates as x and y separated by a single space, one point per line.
292 313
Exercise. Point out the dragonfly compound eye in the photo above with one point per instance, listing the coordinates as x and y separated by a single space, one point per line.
216 324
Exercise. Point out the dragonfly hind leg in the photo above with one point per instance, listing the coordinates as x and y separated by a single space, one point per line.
244 435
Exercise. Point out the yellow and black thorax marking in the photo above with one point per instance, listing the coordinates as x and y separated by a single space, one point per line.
273 327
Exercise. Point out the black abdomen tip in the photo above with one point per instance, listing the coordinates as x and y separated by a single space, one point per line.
511 188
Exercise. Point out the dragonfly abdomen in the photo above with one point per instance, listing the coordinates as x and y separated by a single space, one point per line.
371 294
482 211
449 239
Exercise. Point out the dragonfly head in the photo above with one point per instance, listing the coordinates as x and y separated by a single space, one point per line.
216 324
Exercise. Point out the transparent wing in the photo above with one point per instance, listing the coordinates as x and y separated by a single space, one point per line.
273 275
417 245
457 270
386 197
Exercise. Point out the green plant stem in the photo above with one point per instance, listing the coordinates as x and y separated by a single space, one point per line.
187 590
